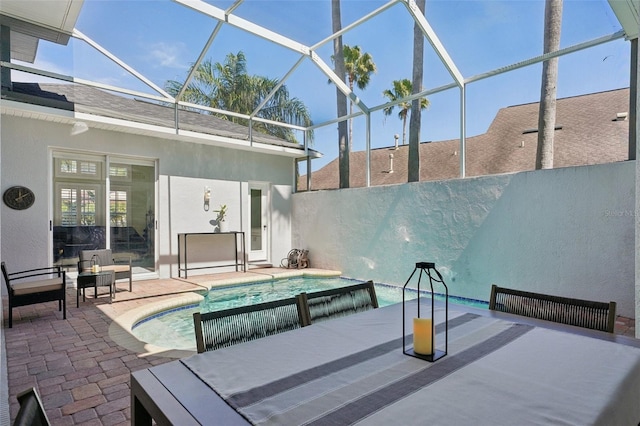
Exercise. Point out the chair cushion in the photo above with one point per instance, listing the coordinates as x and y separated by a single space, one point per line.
39 286
116 268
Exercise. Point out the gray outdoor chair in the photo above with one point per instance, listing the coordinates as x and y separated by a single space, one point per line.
582 313
31 411
338 302
219 329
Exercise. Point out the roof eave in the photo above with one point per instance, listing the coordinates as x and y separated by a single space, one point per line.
628 13
39 112
30 22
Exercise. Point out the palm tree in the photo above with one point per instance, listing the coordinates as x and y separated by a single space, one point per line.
359 67
401 90
280 107
413 166
228 86
341 99
547 110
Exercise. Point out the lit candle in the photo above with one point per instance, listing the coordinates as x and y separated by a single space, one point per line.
422 335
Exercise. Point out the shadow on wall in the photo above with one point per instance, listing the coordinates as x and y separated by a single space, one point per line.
380 232
548 231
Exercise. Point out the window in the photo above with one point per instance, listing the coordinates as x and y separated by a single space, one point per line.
118 208
76 204
120 172
78 169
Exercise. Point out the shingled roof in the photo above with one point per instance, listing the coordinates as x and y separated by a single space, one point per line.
588 131
79 98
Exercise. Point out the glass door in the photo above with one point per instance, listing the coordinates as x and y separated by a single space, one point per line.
78 219
132 212
259 221
104 202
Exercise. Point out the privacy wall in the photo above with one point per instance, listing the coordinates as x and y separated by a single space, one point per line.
568 232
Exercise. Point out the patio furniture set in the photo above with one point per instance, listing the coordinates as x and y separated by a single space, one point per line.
352 369
95 268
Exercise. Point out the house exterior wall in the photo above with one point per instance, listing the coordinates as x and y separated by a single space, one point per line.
568 232
184 169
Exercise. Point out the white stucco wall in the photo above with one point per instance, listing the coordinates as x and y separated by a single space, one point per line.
184 169
567 232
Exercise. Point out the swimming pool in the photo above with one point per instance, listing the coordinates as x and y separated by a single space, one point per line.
174 328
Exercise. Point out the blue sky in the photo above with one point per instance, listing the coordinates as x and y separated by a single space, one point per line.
160 39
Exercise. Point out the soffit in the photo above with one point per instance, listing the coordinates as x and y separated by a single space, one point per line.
628 13
30 21
23 47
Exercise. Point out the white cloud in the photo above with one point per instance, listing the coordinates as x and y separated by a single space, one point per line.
167 55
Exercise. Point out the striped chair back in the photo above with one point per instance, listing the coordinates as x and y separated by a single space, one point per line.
338 302
219 329
582 313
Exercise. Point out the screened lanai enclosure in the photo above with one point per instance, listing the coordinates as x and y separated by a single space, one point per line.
152 117
479 56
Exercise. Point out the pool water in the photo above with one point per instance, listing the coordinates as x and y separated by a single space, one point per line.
174 328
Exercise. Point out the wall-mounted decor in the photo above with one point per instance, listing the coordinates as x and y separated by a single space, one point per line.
207 198
19 197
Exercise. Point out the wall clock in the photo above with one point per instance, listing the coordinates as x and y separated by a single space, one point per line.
18 197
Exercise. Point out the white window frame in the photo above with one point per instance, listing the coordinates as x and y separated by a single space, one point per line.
78 186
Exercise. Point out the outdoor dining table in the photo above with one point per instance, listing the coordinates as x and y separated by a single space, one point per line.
500 369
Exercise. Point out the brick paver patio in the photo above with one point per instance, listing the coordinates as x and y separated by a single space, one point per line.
81 374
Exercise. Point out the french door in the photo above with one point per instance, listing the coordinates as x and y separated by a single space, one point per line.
259 221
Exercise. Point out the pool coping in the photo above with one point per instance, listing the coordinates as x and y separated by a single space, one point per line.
120 328
255 277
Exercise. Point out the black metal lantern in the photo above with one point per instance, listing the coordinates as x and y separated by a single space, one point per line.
424 329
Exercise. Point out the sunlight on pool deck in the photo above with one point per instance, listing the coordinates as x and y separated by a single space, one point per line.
120 328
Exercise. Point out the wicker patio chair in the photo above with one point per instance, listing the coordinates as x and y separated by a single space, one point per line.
582 313
338 302
215 330
38 285
104 258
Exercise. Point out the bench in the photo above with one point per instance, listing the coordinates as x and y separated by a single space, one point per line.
104 258
582 313
215 330
38 285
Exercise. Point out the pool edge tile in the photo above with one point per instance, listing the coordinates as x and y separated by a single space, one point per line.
120 328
